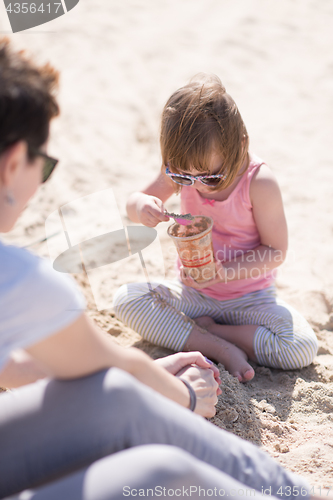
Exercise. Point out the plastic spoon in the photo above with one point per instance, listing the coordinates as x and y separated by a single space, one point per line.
182 219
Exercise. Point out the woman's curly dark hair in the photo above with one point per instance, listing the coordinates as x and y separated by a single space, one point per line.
27 98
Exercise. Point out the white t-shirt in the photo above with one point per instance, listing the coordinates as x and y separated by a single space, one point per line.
35 300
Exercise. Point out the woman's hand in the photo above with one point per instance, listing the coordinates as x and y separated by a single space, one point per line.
220 277
176 362
205 387
150 210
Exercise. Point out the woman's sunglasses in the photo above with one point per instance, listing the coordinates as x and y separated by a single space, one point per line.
49 164
188 180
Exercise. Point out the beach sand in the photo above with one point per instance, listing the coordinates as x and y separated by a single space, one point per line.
119 62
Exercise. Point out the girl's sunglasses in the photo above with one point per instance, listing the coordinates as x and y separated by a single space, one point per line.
188 180
49 164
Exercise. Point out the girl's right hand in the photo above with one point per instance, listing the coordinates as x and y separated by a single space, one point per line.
150 210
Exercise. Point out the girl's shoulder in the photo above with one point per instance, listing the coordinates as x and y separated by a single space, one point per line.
263 183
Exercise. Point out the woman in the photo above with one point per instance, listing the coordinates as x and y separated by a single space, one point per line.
92 431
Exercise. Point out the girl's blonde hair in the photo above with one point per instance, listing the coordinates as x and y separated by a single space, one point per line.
198 119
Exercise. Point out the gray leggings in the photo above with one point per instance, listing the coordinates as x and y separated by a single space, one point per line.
57 433
283 339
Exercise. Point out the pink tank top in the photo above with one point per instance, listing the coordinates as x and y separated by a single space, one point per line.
234 231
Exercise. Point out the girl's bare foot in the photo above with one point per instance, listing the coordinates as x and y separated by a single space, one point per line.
232 357
235 362
242 336
204 322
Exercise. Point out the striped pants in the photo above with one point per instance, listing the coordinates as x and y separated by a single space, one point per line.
164 316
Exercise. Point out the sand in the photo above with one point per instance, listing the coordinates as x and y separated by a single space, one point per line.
119 62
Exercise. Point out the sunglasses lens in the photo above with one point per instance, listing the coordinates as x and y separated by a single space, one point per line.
49 166
185 181
210 181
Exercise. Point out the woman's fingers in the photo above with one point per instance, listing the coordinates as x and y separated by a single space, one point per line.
175 362
204 362
196 358
205 386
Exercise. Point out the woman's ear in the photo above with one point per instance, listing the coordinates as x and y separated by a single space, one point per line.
11 161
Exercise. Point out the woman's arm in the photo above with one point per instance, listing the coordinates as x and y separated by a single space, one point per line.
146 206
82 349
20 369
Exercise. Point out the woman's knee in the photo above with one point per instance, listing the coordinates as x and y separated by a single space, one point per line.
110 394
122 388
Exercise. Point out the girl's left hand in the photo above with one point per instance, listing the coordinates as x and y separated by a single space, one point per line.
220 277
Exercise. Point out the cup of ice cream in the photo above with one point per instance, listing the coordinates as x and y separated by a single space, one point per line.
195 248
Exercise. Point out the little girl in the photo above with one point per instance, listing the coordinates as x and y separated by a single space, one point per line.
236 316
